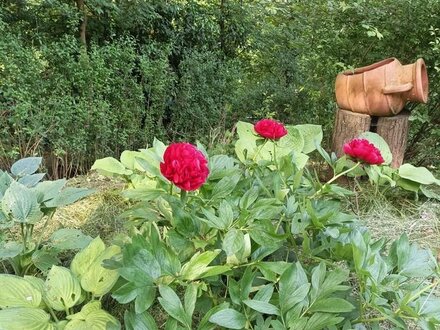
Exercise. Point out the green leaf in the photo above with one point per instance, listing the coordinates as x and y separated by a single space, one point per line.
26 166
92 316
198 265
226 215
145 298
293 286
380 144
85 258
142 321
233 242
331 305
190 298
44 259
319 321
265 293
21 204
312 135
229 318
225 186
10 249
97 279
48 190
417 174
31 180
69 239
172 305
63 290
262 307
17 292
69 196
22 318
249 198
110 167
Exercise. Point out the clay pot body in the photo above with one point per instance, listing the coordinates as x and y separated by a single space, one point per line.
383 88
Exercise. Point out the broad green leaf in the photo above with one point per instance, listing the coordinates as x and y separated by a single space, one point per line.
293 286
44 259
97 279
17 292
109 166
233 241
198 265
225 214
408 185
128 159
69 239
332 305
417 174
204 324
265 293
146 296
69 196
380 144
249 198
48 190
26 166
10 249
92 317
172 305
22 318
229 318
31 180
21 204
312 135
225 186
262 307
63 290
84 259
142 321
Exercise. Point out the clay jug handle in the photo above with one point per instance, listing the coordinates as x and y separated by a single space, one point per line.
397 89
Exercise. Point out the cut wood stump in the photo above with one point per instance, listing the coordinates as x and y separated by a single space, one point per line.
394 130
348 125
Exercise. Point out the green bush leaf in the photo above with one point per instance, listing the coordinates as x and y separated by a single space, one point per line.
26 166
21 204
92 316
332 305
172 305
233 242
63 290
22 318
294 286
198 265
262 307
417 174
17 292
312 135
84 259
135 321
229 318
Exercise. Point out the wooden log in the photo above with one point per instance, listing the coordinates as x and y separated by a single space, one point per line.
348 125
394 130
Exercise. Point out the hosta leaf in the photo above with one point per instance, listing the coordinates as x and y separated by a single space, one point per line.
229 318
31 180
135 321
44 259
417 174
110 167
99 280
84 259
69 239
26 166
22 318
10 249
17 292
69 196
62 288
21 203
48 190
92 317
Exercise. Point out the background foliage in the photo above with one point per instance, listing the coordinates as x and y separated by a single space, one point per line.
84 79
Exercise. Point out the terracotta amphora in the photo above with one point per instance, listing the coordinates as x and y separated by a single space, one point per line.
383 88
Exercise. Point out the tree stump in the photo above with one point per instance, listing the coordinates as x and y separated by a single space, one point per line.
348 125
394 130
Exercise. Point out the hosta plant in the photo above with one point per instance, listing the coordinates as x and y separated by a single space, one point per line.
26 200
67 299
259 243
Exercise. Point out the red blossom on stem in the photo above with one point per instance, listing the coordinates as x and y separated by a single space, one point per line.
270 129
363 150
185 166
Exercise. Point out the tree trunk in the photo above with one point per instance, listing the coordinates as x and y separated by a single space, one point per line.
83 25
348 125
394 130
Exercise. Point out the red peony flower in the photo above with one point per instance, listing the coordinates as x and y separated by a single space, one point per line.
270 129
363 150
185 166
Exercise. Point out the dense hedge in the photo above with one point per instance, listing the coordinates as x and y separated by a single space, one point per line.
190 69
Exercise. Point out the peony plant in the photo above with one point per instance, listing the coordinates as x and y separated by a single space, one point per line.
254 241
